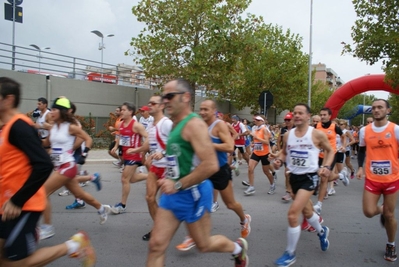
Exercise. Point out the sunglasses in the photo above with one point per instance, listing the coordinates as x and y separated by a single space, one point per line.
170 96
153 103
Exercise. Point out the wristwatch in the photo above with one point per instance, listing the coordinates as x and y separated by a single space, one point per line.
163 152
327 167
178 186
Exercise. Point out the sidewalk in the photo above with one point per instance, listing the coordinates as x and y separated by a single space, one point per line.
99 155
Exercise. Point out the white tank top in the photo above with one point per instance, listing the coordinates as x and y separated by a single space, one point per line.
61 144
339 143
163 126
347 140
302 154
41 120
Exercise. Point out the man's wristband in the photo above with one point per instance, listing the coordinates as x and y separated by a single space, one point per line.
327 167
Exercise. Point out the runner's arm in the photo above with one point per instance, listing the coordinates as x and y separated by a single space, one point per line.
78 132
227 144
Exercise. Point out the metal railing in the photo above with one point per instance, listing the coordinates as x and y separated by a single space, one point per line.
48 63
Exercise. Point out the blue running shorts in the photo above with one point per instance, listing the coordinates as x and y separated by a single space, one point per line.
189 205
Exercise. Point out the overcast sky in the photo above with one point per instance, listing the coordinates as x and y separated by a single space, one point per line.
65 25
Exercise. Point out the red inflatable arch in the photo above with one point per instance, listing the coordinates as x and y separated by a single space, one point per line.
374 82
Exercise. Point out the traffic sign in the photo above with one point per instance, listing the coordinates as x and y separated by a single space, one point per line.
265 101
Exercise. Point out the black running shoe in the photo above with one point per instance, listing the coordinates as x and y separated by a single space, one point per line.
390 253
147 236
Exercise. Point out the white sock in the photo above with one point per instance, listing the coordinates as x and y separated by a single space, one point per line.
101 210
72 246
314 221
391 243
237 249
79 201
293 234
341 176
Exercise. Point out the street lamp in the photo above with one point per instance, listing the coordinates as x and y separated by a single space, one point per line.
310 55
40 52
101 47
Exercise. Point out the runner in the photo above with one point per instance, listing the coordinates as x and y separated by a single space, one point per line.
146 119
61 138
186 192
130 138
378 150
44 122
289 124
222 180
24 167
114 131
343 124
300 150
242 131
158 132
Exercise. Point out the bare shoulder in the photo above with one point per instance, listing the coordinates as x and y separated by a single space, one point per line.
195 129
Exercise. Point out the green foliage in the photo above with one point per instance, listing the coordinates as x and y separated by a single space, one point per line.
350 105
210 44
375 35
393 100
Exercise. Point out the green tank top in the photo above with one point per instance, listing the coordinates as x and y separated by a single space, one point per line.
181 159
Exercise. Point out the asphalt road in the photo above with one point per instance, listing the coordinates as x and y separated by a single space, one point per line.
354 239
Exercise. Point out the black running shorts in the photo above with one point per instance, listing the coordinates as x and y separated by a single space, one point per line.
221 179
307 182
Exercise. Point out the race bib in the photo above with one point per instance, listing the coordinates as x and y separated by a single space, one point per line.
153 147
299 158
56 155
172 167
124 140
258 146
381 167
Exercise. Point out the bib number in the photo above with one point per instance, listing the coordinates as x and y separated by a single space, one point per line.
381 167
56 155
258 146
172 167
299 158
124 140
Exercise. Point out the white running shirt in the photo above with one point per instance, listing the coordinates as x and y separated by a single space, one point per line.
61 144
41 120
163 126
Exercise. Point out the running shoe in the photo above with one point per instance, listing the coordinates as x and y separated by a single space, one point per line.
117 163
104 214
246 227
242 259
305 225
324 243
317 208
285 260
187 244
390 253
331 191
64 193
83 173
121 168
236 170
343 176
311 228
46 231
215 206
147 236
353 174
272 189
86 252
245 183
97 181
76 205
83 184
287 197
118 209
250 191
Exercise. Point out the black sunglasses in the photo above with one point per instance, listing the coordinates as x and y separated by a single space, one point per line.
170 96
153 103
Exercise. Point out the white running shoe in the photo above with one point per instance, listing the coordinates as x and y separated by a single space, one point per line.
344 176
272 189
317 208
64 193
331 191
104 214
250 191
46 231
215 206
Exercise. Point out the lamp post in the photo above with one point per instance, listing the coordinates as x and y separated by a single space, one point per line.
310 55
40 53
101 47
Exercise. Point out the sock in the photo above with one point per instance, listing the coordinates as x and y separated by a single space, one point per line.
101 210
391 243
123 205
72 246
237 249
293 234
244 221
341 176
79 201
314 221
319 203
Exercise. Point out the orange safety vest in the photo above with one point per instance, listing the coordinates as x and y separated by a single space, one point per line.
331 135
15 169
260 149
381 154
116 126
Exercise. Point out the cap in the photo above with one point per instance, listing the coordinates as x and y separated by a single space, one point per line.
144 108
259 118
235 117
61 103
288 116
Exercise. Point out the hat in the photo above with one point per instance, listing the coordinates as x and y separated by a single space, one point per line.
288 116
235 117
61 103
144 108
259 118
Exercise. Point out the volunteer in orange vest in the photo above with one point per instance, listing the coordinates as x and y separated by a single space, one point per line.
24 167
379 142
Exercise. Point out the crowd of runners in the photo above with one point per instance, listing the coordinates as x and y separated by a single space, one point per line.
187 161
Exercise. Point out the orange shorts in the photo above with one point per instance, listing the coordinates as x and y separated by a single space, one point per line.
381 188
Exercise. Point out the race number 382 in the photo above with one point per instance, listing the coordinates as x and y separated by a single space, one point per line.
381 167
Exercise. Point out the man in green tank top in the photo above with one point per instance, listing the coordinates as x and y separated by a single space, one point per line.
186 192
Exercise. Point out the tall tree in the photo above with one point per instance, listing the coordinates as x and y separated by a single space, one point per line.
375 35
394 102
186 38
